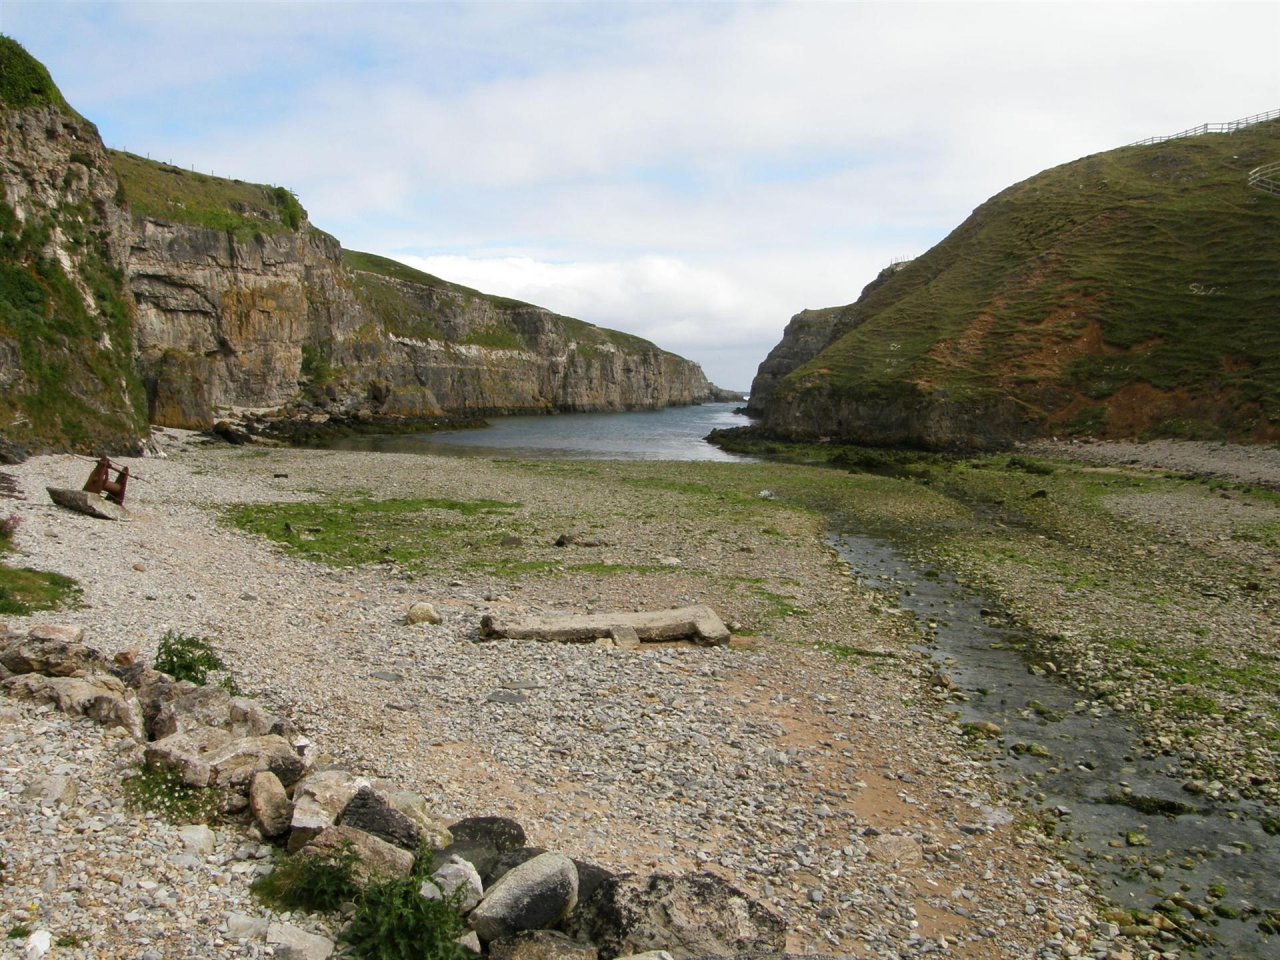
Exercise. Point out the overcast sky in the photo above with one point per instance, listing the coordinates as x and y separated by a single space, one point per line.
694 173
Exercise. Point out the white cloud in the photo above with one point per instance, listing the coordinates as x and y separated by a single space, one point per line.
694 173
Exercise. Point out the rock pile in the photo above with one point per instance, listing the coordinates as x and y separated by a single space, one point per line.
520 902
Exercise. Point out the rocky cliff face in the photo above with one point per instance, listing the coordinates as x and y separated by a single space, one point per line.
262 321
806 336
132 290
67 378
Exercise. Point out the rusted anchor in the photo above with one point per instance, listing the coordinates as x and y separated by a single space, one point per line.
100 480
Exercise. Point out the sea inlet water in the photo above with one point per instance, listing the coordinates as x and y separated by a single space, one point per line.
675 433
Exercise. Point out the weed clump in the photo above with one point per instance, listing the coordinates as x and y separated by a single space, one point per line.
318 884
192 659
393 920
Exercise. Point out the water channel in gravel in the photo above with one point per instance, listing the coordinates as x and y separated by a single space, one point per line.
1075 759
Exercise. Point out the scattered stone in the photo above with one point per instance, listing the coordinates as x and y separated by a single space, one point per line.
53 790
423 612
198 838
698 623
891 848
541 945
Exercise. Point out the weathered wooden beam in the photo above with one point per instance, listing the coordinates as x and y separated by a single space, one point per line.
699 624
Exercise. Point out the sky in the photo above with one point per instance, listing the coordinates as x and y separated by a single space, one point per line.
693 173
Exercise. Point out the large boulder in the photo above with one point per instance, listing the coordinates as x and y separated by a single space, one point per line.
693 916
53 652
453 876
318 801
373 813
153 690
101 697
433 831
374 857
535 895
209 757
269 804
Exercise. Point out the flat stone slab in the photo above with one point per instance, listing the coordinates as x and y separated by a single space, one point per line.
82 501
697 623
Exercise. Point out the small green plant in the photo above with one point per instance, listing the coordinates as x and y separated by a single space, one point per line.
163 792
319 883
19 931
393 920
69 940
192 659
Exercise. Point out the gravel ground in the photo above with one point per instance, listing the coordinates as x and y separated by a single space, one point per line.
835 789
1227 461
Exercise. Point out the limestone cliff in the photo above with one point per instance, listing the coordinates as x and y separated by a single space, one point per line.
263 320
67 378
131 289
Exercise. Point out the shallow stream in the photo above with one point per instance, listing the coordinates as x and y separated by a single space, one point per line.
1208 865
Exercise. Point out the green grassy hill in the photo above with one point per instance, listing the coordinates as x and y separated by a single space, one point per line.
169 193
1133 292
410 314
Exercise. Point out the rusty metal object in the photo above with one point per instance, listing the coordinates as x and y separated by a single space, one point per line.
101 481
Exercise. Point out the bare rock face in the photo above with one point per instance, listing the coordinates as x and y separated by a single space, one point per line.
67 377
806 336
692 916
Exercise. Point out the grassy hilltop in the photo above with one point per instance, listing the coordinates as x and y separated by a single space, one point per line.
1133 292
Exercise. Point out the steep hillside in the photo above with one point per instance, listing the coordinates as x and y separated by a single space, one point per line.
134 290
67 378
1130 293
242 303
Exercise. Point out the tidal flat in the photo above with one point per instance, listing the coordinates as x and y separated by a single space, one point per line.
815 762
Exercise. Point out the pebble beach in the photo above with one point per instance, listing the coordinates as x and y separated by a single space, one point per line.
836 790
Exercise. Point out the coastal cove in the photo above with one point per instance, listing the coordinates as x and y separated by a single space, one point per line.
672 433
813 762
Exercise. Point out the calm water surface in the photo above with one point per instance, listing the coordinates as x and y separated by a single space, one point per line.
672 434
